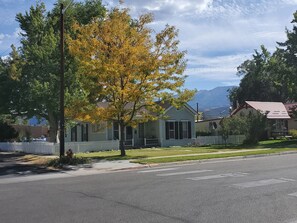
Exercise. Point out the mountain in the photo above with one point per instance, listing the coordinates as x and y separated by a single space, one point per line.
213 103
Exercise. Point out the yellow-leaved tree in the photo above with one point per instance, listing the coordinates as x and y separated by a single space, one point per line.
124 65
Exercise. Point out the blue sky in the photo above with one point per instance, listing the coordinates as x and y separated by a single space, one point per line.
218 35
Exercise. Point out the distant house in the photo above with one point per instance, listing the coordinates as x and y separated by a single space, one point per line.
27 132
275 112
176 130
292 122
210 126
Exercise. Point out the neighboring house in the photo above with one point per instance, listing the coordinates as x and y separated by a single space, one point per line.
177 129
291 108
31 132
211 126
275 112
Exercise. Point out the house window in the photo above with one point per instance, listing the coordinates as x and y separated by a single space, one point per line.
116 130
184 129
74 134
171 130
84 132
178 130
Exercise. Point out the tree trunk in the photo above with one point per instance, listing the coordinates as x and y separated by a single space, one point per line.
53 124
122 139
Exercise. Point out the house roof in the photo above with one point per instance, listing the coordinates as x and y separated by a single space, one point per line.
165 105
273 110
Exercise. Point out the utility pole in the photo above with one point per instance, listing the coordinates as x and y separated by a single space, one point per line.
62 84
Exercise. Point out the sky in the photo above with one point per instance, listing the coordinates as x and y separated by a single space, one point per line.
218 35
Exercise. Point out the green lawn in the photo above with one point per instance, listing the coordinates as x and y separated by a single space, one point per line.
174 154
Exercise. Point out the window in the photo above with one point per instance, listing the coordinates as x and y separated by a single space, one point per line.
178 130
171 130
74 134
184 129
115 130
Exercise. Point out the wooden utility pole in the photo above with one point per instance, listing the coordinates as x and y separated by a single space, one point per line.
62 84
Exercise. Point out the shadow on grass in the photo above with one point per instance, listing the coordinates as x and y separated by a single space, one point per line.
278 144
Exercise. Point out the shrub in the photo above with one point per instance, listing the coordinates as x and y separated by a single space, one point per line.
293 133
65 160
7 132
256 128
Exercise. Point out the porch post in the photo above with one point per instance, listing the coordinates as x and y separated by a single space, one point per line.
161 131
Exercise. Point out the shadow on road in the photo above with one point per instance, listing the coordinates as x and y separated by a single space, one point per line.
15 164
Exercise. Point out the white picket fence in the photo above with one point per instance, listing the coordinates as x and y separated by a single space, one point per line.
93 146
217 140
53 148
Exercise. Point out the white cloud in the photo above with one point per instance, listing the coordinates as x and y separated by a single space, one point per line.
220 68
6 40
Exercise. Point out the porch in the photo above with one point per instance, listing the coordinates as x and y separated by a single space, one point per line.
144 135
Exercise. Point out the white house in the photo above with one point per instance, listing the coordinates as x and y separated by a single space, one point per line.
178 129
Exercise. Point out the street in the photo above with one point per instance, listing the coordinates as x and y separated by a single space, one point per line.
262 189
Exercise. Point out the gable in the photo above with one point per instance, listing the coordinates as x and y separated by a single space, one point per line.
272 110
179 114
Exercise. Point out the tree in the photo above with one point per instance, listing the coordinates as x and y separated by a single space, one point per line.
38 83
260 79
121 63
288 50
274 74
253 126
234 125
9 76
256 126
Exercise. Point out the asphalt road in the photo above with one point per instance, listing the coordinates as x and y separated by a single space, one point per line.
245 190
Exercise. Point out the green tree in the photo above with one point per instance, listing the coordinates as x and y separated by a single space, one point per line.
289 56
269 77
123 63
234 125
259 81
256 126
9 76
39 80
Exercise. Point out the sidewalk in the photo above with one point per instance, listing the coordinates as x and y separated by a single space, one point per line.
205 154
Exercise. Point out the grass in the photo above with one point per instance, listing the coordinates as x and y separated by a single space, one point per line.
211 156
173 154
156 155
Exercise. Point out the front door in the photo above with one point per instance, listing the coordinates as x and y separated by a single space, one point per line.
140 141
129 133
129 136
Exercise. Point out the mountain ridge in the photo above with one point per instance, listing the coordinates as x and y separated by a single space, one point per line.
213 103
